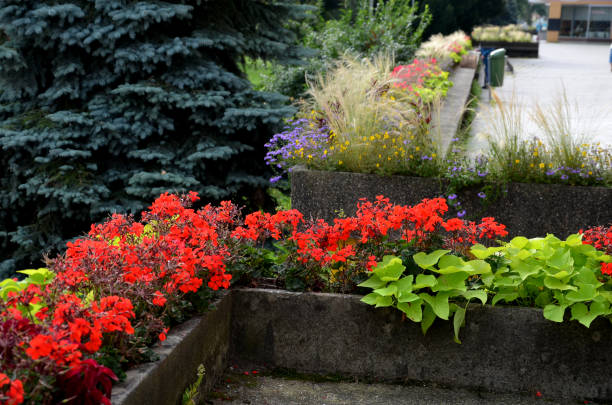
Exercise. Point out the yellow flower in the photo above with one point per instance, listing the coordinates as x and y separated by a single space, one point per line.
372 137
417 148
517 161
339 162
542 165
377 165
535 153
309 156
433 155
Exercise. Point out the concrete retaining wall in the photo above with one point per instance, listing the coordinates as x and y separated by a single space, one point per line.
505 349
202 340
529 210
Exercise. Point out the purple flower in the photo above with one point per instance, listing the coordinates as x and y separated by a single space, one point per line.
482 174
275 179
461 214
564 177
482 195
452 196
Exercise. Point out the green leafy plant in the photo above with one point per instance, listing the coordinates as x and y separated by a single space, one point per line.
191 393
35 277
425 296
549 273
553 274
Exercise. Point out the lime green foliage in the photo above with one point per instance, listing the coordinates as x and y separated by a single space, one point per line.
38 277
552 274
545 272
191 393
257 71
424 296
508 33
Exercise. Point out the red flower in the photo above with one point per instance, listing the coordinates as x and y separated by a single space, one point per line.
453 224
162 335
159 299
606 268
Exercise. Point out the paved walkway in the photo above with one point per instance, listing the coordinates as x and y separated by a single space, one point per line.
582 69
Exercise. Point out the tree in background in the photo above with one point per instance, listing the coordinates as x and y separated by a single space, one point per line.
450 16
105 104
364 29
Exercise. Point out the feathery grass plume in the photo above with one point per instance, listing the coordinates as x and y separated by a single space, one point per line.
511 156
376 126
441 47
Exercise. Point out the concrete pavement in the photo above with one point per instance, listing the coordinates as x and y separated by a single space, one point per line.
580 69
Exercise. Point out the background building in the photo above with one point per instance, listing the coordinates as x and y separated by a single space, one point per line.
579 20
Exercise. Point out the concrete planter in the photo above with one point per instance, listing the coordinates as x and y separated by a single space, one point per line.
513 49
529 210
504 349
202 340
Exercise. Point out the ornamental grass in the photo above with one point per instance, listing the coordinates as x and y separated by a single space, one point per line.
445 47
561 156
366 117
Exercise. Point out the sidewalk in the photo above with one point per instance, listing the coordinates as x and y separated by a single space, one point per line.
582 69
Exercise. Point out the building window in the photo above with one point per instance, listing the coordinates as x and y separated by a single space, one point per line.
592 22
599 27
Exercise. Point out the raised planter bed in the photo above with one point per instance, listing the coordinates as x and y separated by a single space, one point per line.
505 349
529 210
513 49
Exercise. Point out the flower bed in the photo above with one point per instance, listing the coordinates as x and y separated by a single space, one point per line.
67 334
517 42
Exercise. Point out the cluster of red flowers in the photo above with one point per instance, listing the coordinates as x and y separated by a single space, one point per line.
414 75
356 243
11 392
124 275
117 286
456 47
601 238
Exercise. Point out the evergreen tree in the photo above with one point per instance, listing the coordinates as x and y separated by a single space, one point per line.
450 16
105 104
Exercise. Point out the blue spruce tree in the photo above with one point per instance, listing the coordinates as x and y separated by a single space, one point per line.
105 104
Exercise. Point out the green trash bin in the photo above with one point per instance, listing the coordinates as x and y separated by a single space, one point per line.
497 61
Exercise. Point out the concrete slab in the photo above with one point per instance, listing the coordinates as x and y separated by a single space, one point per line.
582 69
281 391
453 106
